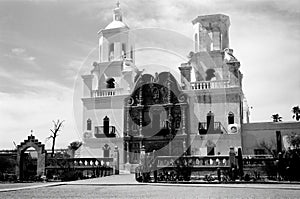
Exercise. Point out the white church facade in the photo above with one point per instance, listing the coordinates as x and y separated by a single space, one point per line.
130 109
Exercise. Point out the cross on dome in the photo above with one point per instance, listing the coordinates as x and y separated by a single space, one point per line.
118 4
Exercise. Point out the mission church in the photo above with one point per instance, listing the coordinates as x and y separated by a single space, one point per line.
133 110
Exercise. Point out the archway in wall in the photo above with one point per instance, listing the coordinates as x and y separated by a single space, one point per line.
23 159
28 164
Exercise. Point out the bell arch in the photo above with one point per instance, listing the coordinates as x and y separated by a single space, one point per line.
31 141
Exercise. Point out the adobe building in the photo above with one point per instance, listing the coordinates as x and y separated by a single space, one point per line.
136 111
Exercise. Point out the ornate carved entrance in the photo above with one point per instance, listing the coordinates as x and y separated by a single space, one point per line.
156 117
41 156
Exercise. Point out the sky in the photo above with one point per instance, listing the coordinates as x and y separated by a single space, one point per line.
46 45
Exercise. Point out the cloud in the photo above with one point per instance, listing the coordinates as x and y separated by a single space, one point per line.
18 51
45 44
25 111
21 54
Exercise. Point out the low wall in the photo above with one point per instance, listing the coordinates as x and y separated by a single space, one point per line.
253 134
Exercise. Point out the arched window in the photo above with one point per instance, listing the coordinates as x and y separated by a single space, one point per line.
216 40
210 119
106 150
110 83
131 52
95 82
106 126
210 46
100 54
210 74
89 124
230 118
210 147
196 42
111 52
123 50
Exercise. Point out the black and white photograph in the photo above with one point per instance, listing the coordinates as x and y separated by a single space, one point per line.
150 99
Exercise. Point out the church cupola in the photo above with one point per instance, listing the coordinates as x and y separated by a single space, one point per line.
115 43
117 13
211 32
117 19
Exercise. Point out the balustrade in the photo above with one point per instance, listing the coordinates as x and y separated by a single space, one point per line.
257 160
78 162
204 85
193 161
107 92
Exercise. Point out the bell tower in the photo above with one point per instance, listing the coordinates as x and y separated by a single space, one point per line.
115 42
211 32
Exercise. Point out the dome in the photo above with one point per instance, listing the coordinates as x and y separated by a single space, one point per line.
116 24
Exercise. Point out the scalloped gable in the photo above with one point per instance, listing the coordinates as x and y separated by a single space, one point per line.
31 142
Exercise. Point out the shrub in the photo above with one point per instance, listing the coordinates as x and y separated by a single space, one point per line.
71 175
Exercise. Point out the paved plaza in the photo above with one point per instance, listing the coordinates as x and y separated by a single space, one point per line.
124 186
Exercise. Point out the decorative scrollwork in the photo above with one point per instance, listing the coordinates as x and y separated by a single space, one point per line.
182 98
87 135
130 101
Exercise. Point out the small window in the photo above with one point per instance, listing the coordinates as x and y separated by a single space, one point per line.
111 52
123 50
216 40
210 74
211 46
106 151
210 150
106 126
100 53
210 120
196 42
110 83
89 124
231 118
131 52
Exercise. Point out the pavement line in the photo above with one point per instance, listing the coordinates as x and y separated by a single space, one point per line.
185 185
250 186
32 187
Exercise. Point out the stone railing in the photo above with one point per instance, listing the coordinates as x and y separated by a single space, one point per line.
193 161
107 92
257 160
8 151
205 85
78 162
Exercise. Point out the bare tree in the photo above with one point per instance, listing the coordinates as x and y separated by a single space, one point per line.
54 133
296 112
269 147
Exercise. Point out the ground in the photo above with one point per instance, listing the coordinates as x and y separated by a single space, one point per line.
124 186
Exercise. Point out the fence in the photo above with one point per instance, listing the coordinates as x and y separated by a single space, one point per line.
184 168
223 168
79 167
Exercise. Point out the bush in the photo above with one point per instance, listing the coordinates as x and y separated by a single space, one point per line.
71 175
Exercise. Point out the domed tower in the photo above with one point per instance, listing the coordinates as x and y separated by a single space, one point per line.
109 81
116 53
115 43
211 32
